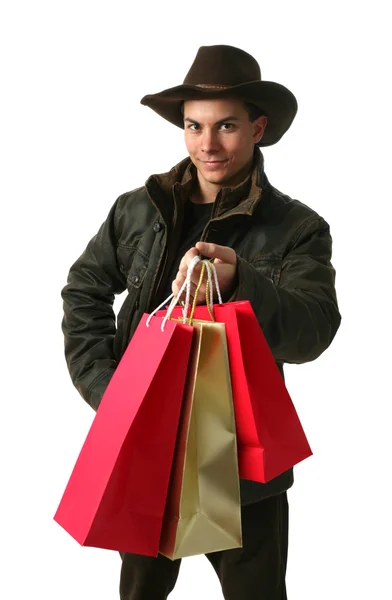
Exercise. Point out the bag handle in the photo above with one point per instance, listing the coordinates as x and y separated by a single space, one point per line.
209 294
217 288
211 270
174 300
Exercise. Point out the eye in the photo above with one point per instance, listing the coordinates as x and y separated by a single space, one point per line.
227 126
192 125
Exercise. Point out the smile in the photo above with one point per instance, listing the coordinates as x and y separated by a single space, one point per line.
213 163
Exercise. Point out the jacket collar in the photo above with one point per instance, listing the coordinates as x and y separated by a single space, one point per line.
180 180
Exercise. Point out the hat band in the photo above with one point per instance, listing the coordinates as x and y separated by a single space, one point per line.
213 85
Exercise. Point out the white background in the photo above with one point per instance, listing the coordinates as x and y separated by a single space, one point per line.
73 138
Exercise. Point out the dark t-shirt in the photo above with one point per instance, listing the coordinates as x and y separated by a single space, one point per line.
196 217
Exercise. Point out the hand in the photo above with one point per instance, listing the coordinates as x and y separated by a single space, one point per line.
225 261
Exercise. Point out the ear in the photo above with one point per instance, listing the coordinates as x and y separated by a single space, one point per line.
259 126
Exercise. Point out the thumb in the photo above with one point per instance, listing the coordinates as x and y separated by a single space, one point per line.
222 253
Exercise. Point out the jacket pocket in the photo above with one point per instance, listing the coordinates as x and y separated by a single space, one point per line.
133 264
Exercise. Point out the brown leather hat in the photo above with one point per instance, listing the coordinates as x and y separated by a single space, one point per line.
228 72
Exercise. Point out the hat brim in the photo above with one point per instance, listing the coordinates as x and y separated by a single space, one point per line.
275 100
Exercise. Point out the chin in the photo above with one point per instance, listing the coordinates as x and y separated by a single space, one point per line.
216 180
225 179
217 176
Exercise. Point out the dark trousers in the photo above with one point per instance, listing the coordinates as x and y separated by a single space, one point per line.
254 572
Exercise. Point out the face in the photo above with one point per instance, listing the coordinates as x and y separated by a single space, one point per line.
220 139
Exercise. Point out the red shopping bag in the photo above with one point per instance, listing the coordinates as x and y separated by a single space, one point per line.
270 436
116 495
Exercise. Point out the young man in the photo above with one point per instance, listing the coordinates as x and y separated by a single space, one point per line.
268 249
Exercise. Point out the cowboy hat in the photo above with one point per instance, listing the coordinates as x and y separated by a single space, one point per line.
228 72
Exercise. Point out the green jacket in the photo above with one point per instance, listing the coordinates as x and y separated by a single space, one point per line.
283 253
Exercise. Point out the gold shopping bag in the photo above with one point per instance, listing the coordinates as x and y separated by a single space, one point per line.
203 510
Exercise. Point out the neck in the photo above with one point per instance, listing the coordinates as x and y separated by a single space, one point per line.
204 194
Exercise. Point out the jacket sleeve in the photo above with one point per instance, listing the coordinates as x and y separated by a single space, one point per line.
300 315
89 322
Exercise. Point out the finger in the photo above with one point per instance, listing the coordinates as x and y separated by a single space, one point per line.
200 299
175 289
187 258
182 275
184 266
179 282
223 253
195 279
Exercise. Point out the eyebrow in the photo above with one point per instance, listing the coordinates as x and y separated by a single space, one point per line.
225 120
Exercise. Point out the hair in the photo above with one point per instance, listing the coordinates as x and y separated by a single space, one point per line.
253 111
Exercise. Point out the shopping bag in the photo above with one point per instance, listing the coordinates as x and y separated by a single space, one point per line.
270 436
203 512
116 495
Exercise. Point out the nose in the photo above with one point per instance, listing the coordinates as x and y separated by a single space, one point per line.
209 142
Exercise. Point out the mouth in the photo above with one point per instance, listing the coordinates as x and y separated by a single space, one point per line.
213 163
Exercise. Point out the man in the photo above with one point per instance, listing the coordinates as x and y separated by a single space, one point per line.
267 248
